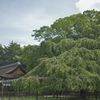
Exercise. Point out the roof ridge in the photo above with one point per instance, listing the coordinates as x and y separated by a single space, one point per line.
17 63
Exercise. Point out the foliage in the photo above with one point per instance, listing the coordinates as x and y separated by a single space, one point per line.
28 56
38 53
1 55
24 84
10 54
69 55
75 27
69 64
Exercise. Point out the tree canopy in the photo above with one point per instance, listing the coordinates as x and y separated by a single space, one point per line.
69 65
76 26
8 53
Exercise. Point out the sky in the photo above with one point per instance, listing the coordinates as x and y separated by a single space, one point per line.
18 18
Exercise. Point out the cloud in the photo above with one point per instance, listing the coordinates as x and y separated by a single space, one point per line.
83 5
19 17
20 28
96 6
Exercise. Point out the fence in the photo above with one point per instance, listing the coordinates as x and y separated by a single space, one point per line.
14 95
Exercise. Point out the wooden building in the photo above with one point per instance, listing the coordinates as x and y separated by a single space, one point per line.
11 71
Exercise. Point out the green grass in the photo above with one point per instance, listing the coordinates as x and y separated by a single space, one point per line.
44 98
33 98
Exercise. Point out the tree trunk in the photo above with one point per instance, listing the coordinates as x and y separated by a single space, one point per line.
96 94
83 94
37 95
57 96
65 95
53 94
46 95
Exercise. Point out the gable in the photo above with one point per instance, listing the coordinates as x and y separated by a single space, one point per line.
18 71
14 70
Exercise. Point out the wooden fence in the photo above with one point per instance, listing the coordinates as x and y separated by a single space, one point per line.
15 93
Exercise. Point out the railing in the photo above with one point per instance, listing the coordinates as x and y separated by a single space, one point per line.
7 81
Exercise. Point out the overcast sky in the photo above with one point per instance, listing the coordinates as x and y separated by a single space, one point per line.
19 17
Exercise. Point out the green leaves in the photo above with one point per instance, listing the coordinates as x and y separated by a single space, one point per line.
10 54
69 65
45 33
27 84
69 55
74 27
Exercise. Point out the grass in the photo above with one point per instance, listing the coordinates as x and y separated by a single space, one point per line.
44 98
32 98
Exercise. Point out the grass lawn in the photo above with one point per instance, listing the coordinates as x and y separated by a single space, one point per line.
32 98
44 98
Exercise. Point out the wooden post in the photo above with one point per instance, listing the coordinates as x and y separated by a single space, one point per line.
23 97
30 97
46 95
2 91
65 95
37 95
96 93
16 98
10 91
88 95
96 87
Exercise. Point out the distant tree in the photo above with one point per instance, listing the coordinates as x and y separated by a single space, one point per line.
9 52
1 55
28 57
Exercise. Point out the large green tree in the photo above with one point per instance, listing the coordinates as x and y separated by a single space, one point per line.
69 55
76 67
75 27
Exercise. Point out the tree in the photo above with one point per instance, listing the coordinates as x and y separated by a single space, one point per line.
9 52
32 55
28 58
1 55
75 27
76 68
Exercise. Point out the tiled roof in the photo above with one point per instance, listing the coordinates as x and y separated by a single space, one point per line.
5 71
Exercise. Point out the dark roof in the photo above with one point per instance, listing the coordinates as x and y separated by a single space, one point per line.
5 71
14 64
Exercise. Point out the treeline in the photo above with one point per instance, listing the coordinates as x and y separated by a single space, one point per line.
8 53
14 53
